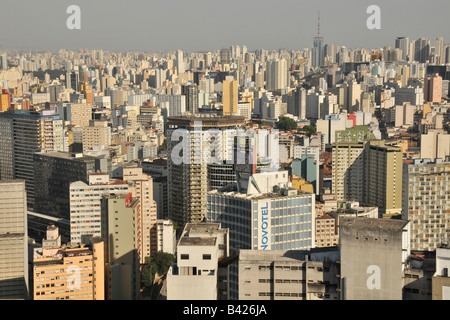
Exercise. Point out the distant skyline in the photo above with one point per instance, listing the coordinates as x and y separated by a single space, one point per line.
206 25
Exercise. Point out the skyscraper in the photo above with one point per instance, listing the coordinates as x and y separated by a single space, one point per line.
23 134
180 62
276 74
230 97
432 89
403 44
318 54
13 240
187 177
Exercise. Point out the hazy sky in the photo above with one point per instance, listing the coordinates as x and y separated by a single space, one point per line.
203 25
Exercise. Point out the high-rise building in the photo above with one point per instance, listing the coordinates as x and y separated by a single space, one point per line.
53 178
384 178
121 212
187 179
230 97
5 100
373 256
435 144
97 133
432 89
260 218
191 93
68 272
426 190
197 274
180 62
13 240
422 50
79 114
276 74
24 133
3 61
402 43
225 56
348 167
318 54
141 187
85 200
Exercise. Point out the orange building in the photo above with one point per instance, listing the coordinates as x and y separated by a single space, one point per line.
5 100
68 273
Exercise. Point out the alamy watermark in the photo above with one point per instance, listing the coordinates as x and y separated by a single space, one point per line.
229 146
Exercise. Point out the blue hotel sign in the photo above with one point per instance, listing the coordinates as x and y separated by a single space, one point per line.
265 226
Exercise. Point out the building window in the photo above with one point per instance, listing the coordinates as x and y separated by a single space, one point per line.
184 257
206 257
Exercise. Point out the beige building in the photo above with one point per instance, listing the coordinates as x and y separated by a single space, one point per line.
13 240
141 186
326 231
426 203
384 178
347 173
121 212
85 200
196 274
68 272
435 144
97 133
230 97
289 274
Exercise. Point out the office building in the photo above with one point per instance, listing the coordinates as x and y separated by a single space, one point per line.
196 273
13 240
24 133
373 256
98 133
52 176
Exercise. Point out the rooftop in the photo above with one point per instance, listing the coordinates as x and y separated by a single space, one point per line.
372 224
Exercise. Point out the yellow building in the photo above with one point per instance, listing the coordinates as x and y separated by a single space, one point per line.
68 273
230 97
301 184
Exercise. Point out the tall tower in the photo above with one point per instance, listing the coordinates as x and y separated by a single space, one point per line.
318 56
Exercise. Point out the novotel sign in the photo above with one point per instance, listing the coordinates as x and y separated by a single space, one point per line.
265 226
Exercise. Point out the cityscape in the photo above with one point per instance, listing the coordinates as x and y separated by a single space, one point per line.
230 174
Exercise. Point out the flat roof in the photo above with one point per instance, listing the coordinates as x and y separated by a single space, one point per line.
372 223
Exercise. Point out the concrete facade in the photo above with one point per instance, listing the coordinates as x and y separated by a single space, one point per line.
373 252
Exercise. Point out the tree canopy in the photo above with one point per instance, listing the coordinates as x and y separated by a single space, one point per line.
286 124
